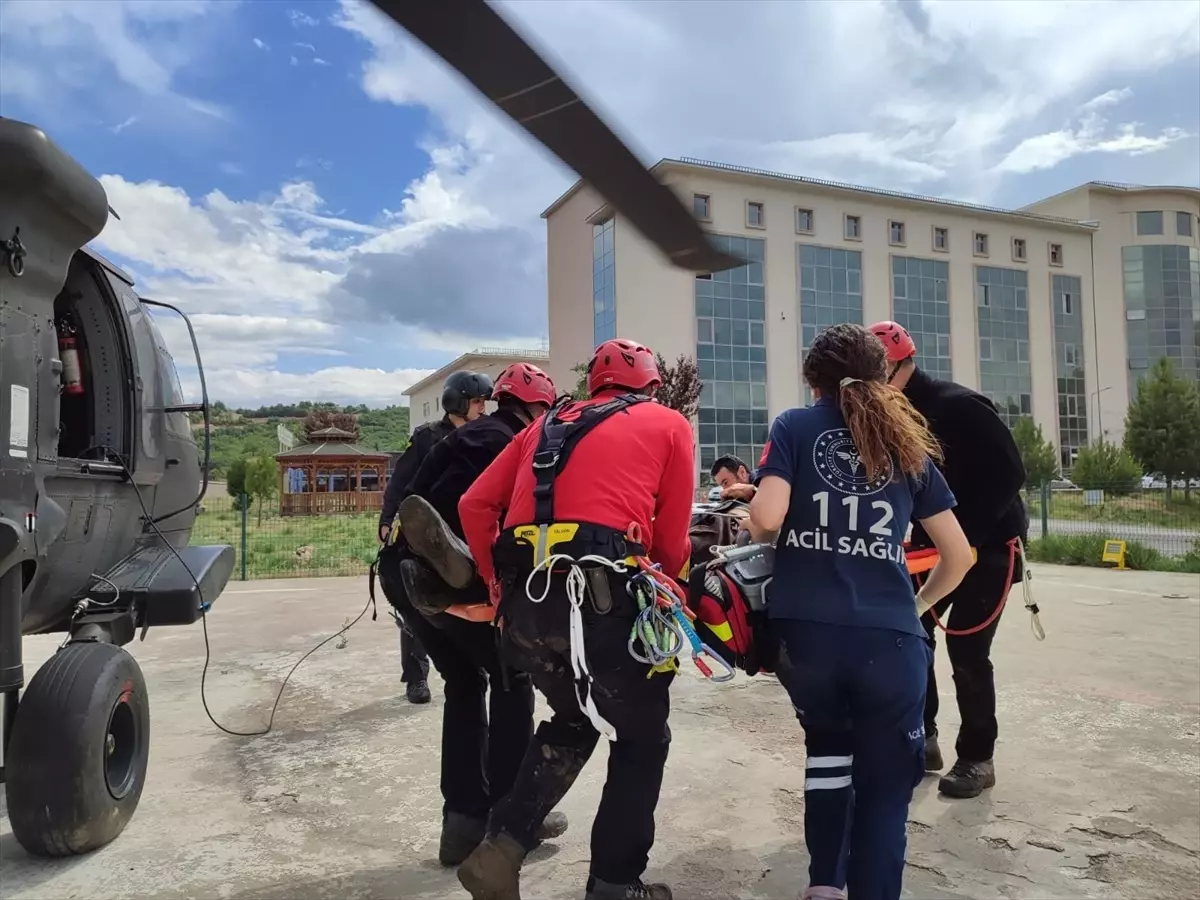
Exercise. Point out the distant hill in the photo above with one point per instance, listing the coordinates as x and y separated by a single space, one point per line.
239 433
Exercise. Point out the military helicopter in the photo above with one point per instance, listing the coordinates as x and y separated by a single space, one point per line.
100 474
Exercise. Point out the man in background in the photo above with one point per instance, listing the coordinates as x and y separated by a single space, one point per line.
733 478
464 398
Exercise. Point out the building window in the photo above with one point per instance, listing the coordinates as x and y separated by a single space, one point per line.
1069 362
425 409
437 404
853 228
830 292
896 234
755 217
983 294
1162 307
1150 222
1005 374
921 303
981 244
1018 250
804 221
604 283
700 207
1056 255
731 355
941 238
1183 224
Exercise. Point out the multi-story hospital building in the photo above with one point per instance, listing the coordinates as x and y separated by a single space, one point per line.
1053 310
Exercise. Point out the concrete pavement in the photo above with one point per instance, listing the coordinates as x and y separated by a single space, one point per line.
1098 792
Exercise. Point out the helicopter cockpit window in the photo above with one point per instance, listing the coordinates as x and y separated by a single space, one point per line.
95 402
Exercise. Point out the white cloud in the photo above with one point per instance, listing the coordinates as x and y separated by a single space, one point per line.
1045 151
300 19
246 387
56 51
261 44
317 61
117 129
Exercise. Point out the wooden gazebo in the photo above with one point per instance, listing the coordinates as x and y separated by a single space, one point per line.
331 474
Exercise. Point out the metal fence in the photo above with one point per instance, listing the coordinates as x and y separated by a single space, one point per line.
1156 525
1066 525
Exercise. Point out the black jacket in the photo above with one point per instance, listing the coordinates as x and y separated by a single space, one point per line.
982 463
453 465
422 441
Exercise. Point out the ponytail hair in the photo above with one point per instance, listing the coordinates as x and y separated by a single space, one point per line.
849 364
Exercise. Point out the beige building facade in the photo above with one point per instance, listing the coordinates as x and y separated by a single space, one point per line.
425 397
1029 306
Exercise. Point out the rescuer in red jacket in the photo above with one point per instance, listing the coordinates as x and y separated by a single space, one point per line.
612 478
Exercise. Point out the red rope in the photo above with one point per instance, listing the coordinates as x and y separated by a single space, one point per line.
963 632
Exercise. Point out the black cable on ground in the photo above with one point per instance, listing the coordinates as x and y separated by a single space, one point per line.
149 519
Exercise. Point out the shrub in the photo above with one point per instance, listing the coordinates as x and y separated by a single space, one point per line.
1107 467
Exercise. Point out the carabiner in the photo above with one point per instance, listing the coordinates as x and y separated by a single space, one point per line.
703 667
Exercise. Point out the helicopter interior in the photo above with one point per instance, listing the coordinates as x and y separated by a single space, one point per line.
94 414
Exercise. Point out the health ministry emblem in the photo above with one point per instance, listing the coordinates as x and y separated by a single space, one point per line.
837 462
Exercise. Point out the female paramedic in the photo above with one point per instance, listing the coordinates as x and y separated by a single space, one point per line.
839 482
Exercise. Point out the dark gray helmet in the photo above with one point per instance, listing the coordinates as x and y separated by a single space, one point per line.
461 388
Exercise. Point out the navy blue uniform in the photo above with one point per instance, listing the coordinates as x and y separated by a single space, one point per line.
853 655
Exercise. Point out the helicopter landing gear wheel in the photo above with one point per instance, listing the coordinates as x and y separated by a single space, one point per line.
76 762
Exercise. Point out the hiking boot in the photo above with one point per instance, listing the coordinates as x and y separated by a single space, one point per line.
554 825
493 870
823 892
427 593
639 890
933 755
418 692
968 779
431 538
460 836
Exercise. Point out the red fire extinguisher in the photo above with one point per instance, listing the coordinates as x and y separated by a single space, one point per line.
72 375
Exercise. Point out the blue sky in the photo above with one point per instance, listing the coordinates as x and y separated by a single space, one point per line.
340 214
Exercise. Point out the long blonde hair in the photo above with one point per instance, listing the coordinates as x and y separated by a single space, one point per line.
848 363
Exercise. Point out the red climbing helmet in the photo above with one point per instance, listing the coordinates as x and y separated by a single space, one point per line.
896 340
527 383
621 363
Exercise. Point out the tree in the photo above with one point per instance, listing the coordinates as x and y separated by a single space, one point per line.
235 483
581 387
328 418
261 480
681 385
1037 453
1107 467
1162 424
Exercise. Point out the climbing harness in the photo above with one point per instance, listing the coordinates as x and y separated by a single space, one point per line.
584 551
1016 547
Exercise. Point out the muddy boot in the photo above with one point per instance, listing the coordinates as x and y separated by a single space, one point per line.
460 836
427 593
554 825
933 754
639 890
431 538
968 779
493 870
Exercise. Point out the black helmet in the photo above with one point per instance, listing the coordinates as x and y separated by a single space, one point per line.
461 388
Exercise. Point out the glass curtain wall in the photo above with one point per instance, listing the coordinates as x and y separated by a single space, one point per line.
1002 306
830 293
1065 295
921 303
731 354
604 286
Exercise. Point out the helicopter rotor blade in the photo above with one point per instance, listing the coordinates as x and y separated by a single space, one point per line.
474 39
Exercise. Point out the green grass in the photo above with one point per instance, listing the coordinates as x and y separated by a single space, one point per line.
1086 550
340 545
1139 508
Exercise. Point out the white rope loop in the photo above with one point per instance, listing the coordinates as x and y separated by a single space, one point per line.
576 592
1035 623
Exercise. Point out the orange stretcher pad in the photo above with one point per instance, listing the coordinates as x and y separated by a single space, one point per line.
919 562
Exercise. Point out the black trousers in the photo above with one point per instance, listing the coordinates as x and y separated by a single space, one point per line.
970 604
414 661
484 736
536 639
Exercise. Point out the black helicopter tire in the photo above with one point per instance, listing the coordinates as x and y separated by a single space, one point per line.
77 758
